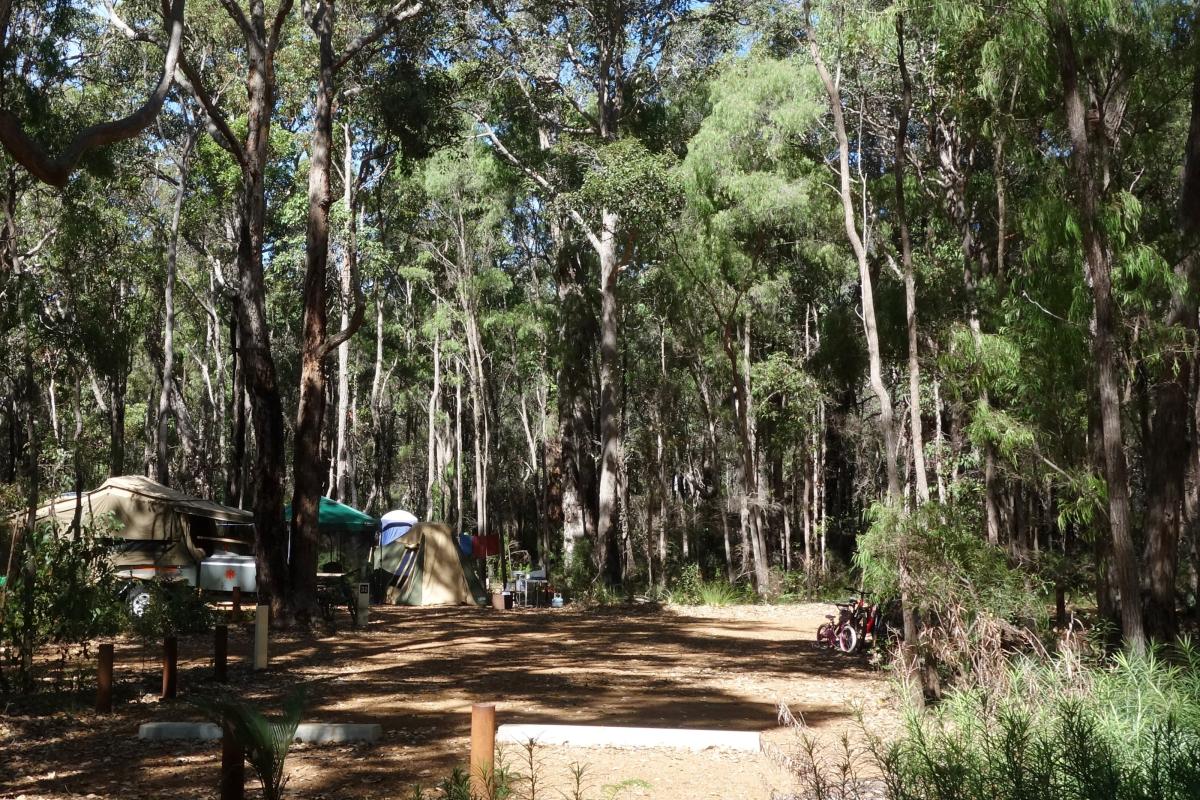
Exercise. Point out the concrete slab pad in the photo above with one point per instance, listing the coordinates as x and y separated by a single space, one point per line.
609 736
159 731
338 733
310 732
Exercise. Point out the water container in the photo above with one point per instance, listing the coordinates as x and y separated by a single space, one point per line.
222 571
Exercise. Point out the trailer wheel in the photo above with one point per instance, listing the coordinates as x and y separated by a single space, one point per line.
139 601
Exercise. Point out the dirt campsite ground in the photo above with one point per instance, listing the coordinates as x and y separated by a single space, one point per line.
416 672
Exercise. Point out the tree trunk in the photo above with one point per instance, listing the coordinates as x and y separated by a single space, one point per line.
235 470
261 378
433 491
1098 262
722 501
21 534
168 366
116 422
459 508
610 431
739 362
887 425
340 486
910 283
378 385
576 332
78 460
307 465
1168 453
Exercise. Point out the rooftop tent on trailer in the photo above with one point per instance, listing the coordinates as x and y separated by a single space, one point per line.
161 532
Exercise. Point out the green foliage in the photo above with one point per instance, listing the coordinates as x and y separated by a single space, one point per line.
65 593
631 181
690 588
785 394
718 593
455 786
973 602
936 550
266 740
174 608
1051 729
685 589
1060 729
806 585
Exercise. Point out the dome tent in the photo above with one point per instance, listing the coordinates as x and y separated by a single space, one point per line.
395 524
429 569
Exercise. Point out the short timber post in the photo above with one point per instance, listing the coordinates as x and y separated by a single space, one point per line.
233 765
483 750
220 652
170 660
261 621
104 679
362 605
237 603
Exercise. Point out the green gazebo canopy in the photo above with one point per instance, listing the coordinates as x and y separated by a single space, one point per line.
345 536
335 517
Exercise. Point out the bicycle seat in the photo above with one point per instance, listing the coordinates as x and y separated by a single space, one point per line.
829 616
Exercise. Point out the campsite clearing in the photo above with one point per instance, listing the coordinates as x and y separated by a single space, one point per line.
416 671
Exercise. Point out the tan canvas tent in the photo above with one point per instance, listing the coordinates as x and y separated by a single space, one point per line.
429 569
162 532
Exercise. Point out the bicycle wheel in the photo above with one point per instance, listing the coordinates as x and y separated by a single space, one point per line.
848 639
825 634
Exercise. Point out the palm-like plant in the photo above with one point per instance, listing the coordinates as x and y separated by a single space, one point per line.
265 740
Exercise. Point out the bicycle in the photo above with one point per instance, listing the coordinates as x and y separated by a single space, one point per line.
857 623
840 634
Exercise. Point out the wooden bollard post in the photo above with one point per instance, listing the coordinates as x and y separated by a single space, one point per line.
220 652
170 659
261 624
237 603
104 679
483 750
233 766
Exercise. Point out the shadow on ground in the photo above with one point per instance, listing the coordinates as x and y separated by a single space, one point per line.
416 672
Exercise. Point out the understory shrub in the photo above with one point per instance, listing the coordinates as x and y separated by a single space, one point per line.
809 584
690 589
1124 729
973 607
174 608
66 594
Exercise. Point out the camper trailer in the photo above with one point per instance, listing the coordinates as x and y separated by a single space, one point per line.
160 532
